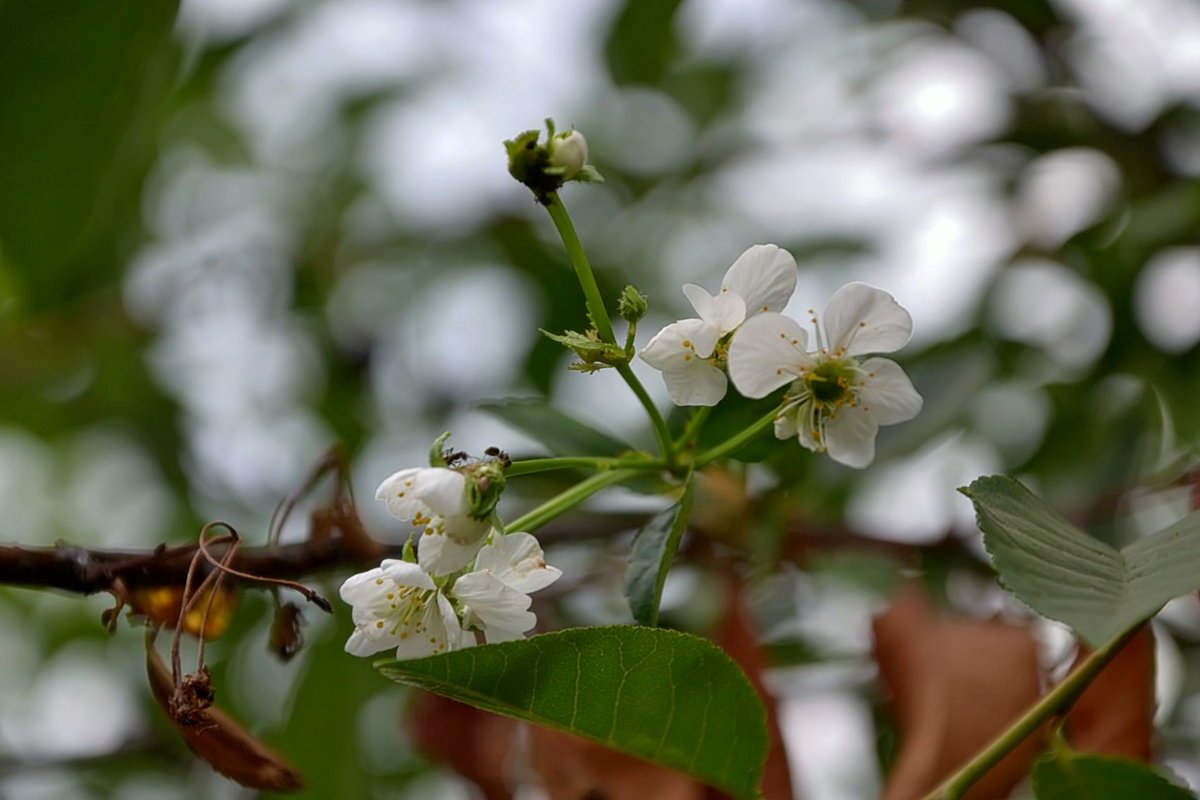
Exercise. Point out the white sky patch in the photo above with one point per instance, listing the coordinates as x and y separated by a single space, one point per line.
1064 192
913 500
1041 303
1166 299
936 97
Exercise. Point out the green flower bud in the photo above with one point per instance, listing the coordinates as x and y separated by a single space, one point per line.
632 304
485 484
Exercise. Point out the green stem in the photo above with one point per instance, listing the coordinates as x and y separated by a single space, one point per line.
583 270
595 306
565 501
736 441
699 417
532 465
665 446
1055 702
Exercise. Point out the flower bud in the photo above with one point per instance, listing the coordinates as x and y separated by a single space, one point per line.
632 304
568 152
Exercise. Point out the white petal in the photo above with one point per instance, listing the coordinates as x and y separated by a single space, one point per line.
365 588
863 319
697 383
495 635
443 490
456 637
850 437
494 603
764 277
398 490
786 427
680 343
767 352
517 560
361 643
724 312
887 393
439 554
425 636
404 573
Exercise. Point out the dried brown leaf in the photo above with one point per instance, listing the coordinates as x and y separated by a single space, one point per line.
572 768
736 635
954 685
218 739
1115 714
473 743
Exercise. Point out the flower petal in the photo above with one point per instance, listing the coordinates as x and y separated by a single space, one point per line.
698 383
404 573
427 635
361 643
517 560
443 490
786 427
724 312
850 437
887 393
365 588
439 554
767 352
863 319
398 491
764 277
495 603
679 343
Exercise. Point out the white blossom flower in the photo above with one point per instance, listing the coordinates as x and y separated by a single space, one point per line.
435 498
495 596
397 604
691 352
835 403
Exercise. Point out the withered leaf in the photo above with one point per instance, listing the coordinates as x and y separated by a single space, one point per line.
1115 714
954 684
472 742
572 768
160 605
737 637
287 635
222 742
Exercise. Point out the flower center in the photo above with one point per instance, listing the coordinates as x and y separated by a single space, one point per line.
832 382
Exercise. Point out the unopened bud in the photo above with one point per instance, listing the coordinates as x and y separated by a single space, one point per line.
568 152
632 304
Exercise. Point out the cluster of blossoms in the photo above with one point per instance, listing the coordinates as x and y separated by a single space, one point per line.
835 402
467 575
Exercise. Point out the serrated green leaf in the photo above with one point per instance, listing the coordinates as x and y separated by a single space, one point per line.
1066 575
650 559
562 434
664 696
1072 776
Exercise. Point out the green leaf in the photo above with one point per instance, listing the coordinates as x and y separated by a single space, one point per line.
650 559
664 696
83 87
1073 776
1064 574
562 434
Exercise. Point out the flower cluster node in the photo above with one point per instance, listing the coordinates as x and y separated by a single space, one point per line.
467 574
545 166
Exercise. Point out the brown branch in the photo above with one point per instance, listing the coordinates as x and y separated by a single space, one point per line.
88 571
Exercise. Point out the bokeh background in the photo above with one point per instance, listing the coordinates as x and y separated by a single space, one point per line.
236 231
